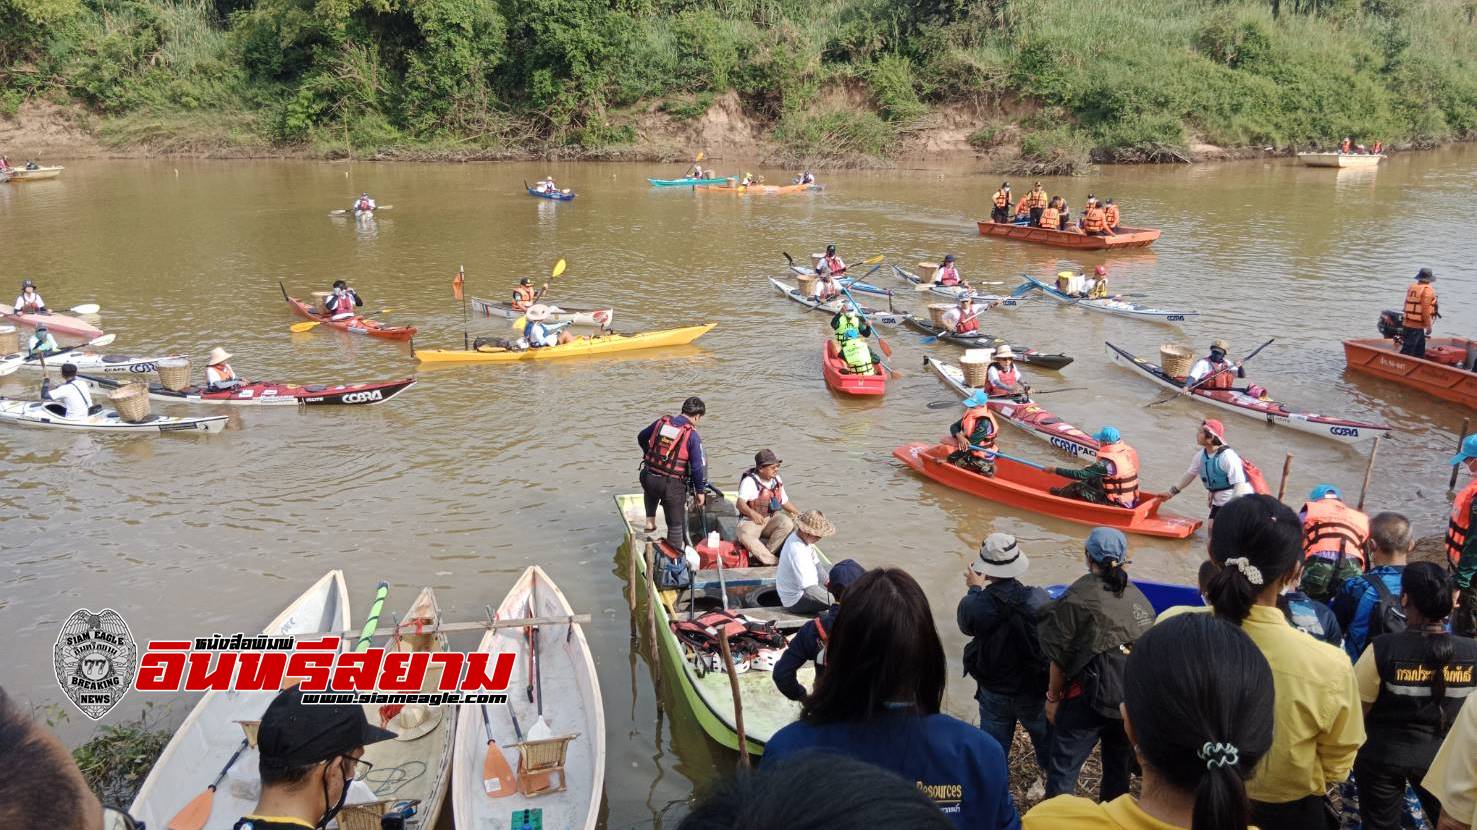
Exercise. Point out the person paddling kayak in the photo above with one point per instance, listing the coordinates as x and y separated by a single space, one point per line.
41 342
342 301
975 435
524 296
1004 378
671 461
857 355
827 288
29 301
219 376
537 332
71 394
948 273
1215 370
363 204
1111 479
831 263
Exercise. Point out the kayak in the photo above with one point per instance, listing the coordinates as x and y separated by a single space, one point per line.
560 196
1017 485
854 284
582 347
980 340
688 182
1027 415
276 394
214 729
764 189
1262 409
88 362
953 292
354 325
839 378
566 691
58 324
49 414
20 174
1107 305
1123 238
886 318
577 315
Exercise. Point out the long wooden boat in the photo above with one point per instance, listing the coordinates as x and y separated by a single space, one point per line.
1122 239
52 415
20 174
582 347
845 382
214 728
571 706
1342 430
576 315
706 694
981 340
1341 160
757 189
1108 305
353 325
1016 485
264 393
1382 358
1027 415
874 315
58 324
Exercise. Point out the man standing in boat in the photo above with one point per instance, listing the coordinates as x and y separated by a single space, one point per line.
1421 312
1036 203
671 459
1000 205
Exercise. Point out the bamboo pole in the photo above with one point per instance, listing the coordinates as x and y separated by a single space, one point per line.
738 700
1286 468
1456 468
652 598
1368 471
631 578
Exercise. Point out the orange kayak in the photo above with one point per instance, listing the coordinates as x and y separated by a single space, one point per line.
1027 488
839 379
756 189
354 325
1123 238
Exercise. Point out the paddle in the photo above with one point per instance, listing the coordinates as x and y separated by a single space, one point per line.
351 210
1034 393
1000 454
194 815
86 308
1186 390
540 728
497 777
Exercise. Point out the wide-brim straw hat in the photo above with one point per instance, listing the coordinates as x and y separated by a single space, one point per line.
1004 351
415 720
814 523
217 356
1221 344
537 313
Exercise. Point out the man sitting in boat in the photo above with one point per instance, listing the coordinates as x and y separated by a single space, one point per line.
341 302
1000 212
364 204
1111 479
1096 286
1347 145
71 394
1215 371
1095 220
748 179
799 577
831 263
847 323
1023 211
1110 213
857 355
948 273
975 434
1219 468
309 756
524 296
1335 536
805 178
694 171
1051 216
827 288
546 185
1004 379
219 376
809 643
962 319
31 165
41 342
29 301
540 335
765 511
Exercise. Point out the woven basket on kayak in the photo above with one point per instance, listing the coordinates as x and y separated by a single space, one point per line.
807 283
174 372
976 364
926 271
1176 360
131 401
367 816
10 340
936 313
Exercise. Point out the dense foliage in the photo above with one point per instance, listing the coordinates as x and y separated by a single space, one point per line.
1066 78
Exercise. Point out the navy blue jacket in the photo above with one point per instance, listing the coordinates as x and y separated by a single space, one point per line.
804 647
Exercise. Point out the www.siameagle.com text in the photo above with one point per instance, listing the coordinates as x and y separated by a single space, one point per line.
381 698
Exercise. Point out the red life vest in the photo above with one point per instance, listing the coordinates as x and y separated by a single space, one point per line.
522 297
341 303
1333 528
1218 379
831 264
363 205
1122 487
968 423
760 503
1456 527
31 306
666 454
1010 380
948 275
967 322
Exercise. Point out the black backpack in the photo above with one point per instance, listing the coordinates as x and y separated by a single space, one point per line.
1388 618
1102 681
1013 649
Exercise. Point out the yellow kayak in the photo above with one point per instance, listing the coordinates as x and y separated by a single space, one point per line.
608 344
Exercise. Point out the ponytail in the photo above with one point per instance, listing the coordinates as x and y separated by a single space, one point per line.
1257 540
1220 799
1428 588
1114 578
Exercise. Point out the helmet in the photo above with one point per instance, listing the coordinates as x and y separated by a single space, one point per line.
1100 271
1107 435
1323 491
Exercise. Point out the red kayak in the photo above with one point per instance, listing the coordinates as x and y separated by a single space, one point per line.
357 325
58 324
278 394
841 379
1027 488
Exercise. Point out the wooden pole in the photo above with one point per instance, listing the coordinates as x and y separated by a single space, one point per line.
1368 471
652 598
1286 468
631 580
738 700
1456 468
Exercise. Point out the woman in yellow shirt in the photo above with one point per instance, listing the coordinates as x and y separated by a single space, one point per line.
1199 725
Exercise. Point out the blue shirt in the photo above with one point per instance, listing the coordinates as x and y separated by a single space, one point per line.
1311 617
697 466
955 764
1357 601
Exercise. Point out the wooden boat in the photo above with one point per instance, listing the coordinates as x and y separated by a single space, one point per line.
706 695
756 189
20 174
1122 239
416 764
57 324
1017 485
571 706
577 315
1028 415
353 325
263 393
51 415
582 347
1162 595
214 728
684 182
1341 160
1263 409
874 315
1382 358
981 340
1107 305
843 381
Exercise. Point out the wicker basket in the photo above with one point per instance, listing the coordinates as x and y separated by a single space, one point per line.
936 313
366 816
976 365
131 401
174 373
927 271
815 260
807 283
10 340
1176 360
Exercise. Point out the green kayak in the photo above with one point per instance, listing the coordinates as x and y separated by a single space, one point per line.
684 182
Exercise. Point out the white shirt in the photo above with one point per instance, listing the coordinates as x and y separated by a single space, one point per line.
1202 368
820 285
798 569
749 489
540 336
21 301
1230 463
76 399
952 317
992 376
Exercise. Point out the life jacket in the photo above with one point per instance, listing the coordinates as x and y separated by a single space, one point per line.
1051 218
1036 198
948 275
223 371
1110 215
1218 379
38 343
1010 380
1002 199
744 637
1456 527
362 205
1403 725
761 503
970 421
831 264
32 305
857 356
1212 476
523 297
1023 207
967 322
341 303
1099 289
845 323
667 453
1415 305
828 291
1334 529
1122 487
1094 220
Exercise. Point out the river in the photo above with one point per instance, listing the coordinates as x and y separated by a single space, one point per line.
478 471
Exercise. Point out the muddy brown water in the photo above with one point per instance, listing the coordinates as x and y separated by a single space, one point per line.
478 471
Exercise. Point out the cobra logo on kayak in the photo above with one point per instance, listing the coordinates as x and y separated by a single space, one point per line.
1175 318
1348 432
1069 446
141 368
363 397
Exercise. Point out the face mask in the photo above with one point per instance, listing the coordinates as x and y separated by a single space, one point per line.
343 797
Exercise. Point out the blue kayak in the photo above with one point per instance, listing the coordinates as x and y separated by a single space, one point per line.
558 197
1161 595
688 182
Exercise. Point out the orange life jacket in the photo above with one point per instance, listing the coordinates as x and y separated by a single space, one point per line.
1218 379
1110 214
1051 218
224 370
1010 380
1002 199
1037 198
1094 220
971 419
1456 528
1122 487
1331 527
522 297
831 264
1417 297
667 453
1023 206
760 503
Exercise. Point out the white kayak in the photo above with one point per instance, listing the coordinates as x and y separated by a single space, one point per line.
953 292
49 414
574 315
1027 415
1106 305
87 362
874 315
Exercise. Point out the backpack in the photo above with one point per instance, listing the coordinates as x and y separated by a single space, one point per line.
1388 618
1012 650
672 569
1102 681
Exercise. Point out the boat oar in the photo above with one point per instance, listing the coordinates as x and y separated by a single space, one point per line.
351 210
308 325
1034 393
100 340
86 308
1186 390
540 728
1000 454
498 780
881 341
194 815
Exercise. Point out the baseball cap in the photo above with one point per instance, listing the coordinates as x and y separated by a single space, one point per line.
295 734
842 574
1469 450
1106 544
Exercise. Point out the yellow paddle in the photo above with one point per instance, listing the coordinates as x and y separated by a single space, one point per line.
299 328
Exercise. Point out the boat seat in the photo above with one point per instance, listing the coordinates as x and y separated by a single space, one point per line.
539 761
117 358
782 619
317 387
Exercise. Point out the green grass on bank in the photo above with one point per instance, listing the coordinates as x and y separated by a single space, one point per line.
1068 80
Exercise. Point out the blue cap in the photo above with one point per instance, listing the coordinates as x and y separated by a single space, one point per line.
1104 544
842 574
1469 450
978 398
1107 435
1324 490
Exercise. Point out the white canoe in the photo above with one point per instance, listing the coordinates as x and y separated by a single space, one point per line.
1027 415
88 362
874 315
579 316
571 706
212 731
953 292
49 414
1341 159
19 174
1109 305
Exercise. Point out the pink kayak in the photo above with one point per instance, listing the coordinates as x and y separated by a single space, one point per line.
59 324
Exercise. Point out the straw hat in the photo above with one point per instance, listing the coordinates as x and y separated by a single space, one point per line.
1004 352
415 720
537 313
1222 345
814 523
217 356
